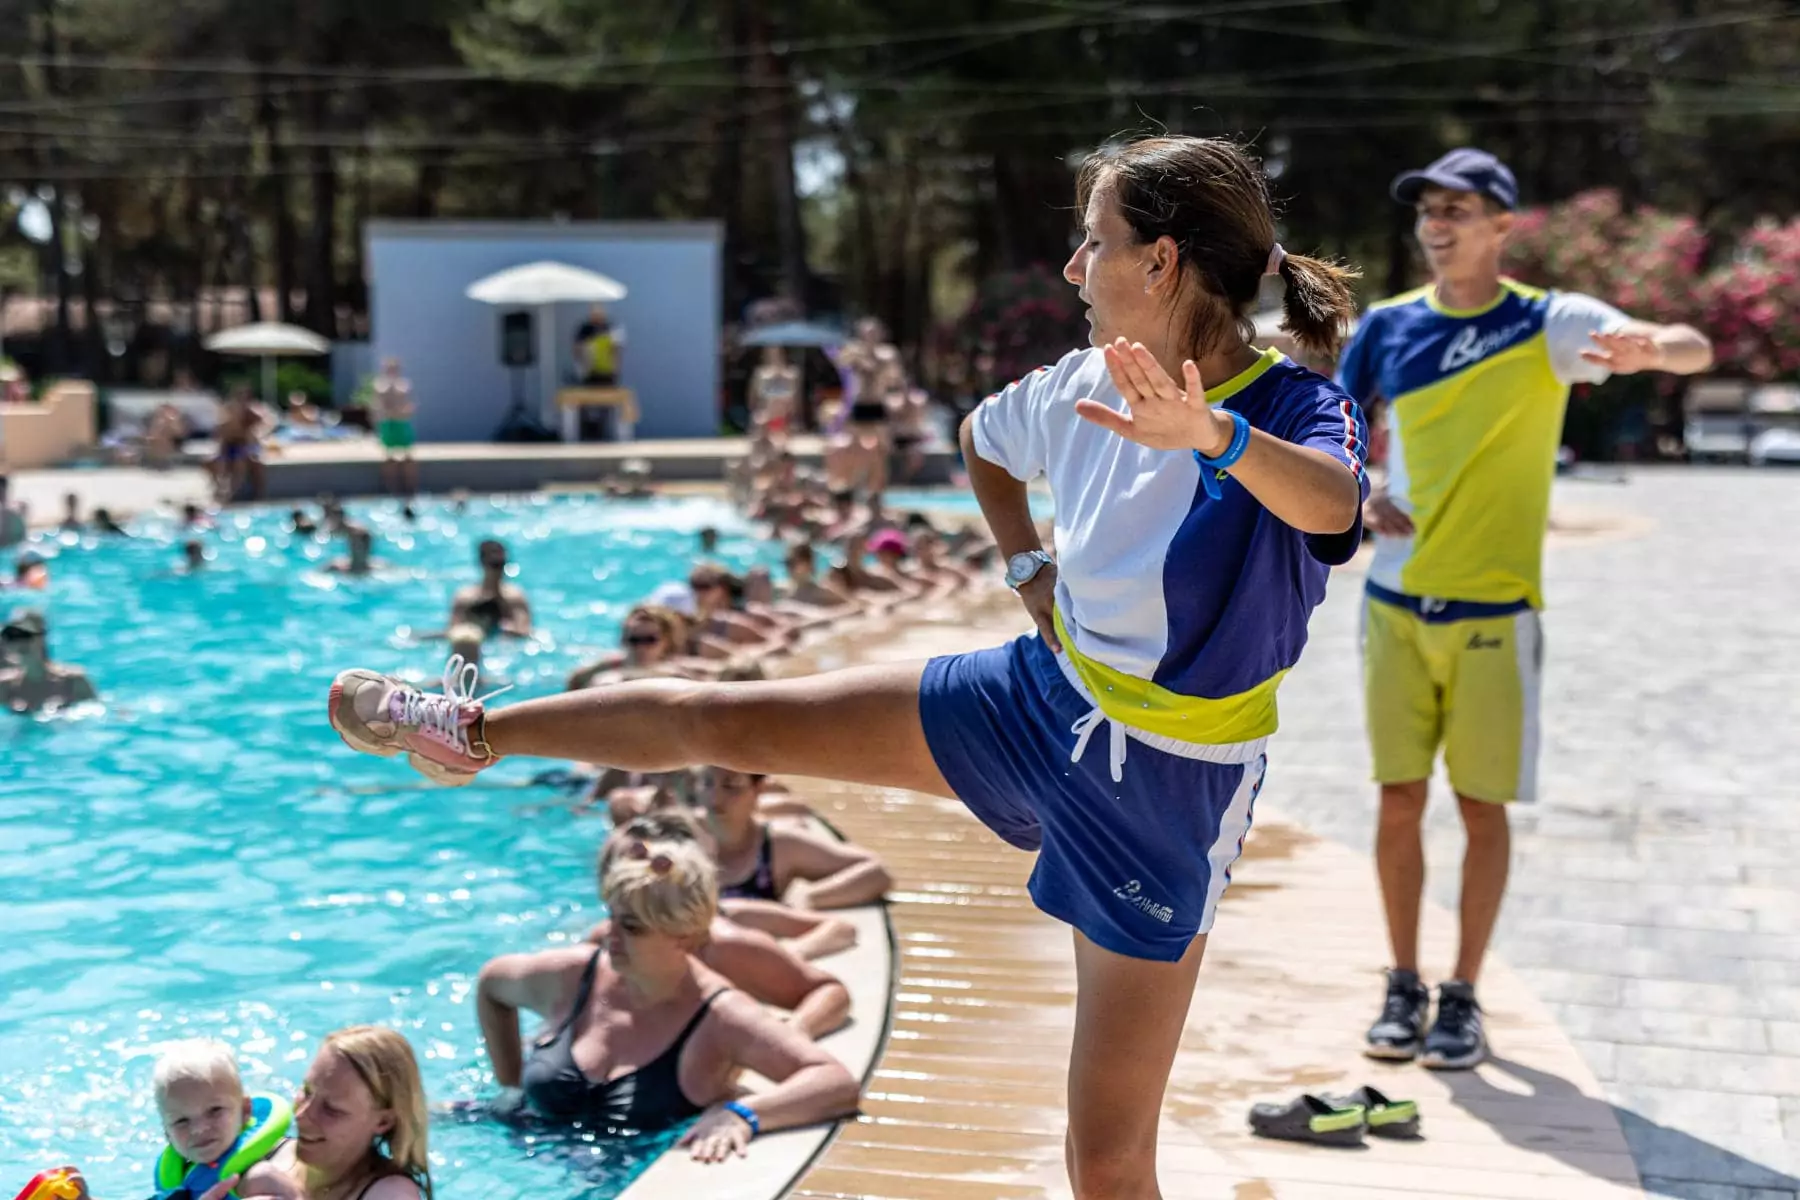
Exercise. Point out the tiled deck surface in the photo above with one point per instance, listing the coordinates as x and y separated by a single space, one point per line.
967 1103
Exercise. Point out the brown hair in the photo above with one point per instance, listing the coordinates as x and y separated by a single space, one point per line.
712 572
1211 198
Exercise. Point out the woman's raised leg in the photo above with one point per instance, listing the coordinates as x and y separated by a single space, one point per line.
859 725
1129 1014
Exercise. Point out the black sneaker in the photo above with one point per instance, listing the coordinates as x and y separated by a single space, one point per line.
1456 1041
1397 1034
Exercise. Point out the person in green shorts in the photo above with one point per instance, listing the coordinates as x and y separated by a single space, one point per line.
393 404
1475 370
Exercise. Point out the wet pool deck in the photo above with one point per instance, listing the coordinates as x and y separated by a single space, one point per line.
967 1102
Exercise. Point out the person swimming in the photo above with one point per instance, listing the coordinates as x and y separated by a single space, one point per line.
644 998
494 604
35 682
359 541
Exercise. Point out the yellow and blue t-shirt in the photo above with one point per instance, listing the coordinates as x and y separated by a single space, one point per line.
1180 614
1475 401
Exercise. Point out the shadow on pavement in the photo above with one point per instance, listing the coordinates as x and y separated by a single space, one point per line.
1669 1161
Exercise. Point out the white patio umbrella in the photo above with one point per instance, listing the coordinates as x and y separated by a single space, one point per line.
543 285
268 340
546 283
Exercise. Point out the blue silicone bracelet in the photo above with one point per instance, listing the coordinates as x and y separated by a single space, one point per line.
743 1110
1240 442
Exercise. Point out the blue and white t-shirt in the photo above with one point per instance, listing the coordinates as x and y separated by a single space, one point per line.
1179 613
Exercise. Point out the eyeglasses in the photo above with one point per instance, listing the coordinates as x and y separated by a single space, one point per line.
642 639
18 635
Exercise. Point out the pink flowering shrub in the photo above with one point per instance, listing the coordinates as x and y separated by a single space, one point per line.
1572 245
1752 304
1023 319
1654 265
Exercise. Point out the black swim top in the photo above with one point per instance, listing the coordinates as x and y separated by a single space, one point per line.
644 1101
485 612
761 884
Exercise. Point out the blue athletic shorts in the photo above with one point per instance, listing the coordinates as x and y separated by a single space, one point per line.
1139 865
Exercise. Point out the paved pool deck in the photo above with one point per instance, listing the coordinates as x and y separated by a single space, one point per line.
1648 956
968 1101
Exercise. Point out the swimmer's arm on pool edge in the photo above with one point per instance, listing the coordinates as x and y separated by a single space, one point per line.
828 873
818 1002
807 934
808 1084
515 982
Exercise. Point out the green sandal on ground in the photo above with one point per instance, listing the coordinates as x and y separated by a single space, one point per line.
1309 1118
1386 1118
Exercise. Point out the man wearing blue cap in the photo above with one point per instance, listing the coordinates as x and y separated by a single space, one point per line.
1475 371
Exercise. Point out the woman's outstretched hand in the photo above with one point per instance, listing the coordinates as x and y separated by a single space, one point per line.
1159 413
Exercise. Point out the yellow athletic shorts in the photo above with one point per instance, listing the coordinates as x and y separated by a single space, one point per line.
1468 683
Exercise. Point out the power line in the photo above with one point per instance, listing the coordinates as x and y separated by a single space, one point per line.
555 66
1091 130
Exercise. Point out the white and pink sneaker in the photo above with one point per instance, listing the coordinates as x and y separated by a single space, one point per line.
441 735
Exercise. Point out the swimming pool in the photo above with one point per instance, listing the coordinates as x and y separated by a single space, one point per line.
205 857
959 501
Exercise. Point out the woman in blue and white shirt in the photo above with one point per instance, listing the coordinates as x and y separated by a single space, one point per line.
1123 741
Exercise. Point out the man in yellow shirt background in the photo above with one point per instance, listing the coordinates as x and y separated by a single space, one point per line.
1475 371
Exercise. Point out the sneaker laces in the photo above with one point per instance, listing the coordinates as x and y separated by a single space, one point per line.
1401 1007
1455 1010
439 717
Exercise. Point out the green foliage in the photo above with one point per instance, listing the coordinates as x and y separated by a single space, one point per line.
290 377
931 137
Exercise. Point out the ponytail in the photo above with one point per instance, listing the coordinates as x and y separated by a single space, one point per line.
1209 197
1319 304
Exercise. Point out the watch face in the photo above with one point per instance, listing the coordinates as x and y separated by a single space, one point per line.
1021 567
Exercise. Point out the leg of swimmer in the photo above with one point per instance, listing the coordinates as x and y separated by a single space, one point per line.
1129 1014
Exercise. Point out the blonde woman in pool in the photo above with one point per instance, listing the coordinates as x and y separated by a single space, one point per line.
360 1121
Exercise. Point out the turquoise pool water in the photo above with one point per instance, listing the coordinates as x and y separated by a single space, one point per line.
958 501
204 857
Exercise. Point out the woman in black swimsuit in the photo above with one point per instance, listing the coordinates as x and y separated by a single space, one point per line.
760 861
640 1035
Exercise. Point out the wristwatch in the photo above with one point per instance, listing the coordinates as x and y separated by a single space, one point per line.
1023 567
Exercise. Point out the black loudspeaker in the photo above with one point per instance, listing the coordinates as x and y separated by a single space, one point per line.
518 348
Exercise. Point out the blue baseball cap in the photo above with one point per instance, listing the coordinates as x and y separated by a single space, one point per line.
1462 170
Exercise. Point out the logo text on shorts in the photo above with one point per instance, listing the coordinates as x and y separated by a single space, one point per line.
1132 894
